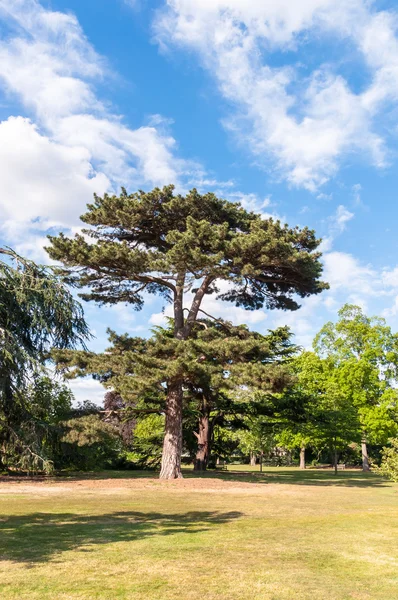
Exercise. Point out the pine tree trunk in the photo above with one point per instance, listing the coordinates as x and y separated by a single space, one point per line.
172 444
253 459
365 459
302 457
202 454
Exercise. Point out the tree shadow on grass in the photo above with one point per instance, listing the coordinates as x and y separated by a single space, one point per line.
296 477
40 537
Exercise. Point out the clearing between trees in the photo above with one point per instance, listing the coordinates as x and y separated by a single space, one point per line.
283 534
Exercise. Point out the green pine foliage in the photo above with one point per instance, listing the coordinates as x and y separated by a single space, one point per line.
89 443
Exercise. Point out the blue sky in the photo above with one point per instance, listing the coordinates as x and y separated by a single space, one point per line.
289 107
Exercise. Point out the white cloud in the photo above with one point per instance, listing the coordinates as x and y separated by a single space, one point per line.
72 144
87 389
356 192
305 123
391 311
390 277
41 179
337 224
304 322
343 215
344 271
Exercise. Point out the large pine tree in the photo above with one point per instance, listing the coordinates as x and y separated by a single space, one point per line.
174 246
212 363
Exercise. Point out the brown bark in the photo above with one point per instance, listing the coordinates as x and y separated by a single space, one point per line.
203 436
172 444
302 457
253 459
335 460
365 458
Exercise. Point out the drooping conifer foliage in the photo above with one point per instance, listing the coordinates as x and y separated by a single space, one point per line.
182 247
37 313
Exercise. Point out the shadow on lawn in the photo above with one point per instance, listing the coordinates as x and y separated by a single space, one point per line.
39 537
296 477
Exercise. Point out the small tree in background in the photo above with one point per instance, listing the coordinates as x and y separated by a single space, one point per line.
389 461
89 443
365 353
180 248
328 417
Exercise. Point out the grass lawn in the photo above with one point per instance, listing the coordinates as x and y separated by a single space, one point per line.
280 535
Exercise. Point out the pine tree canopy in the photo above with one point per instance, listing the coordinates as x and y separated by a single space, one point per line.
165 244
217 357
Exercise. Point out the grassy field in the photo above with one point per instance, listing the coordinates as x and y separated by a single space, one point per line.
280 535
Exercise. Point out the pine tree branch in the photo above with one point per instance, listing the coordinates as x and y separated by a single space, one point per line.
195 306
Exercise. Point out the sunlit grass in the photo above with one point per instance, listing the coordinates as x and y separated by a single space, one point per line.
280 535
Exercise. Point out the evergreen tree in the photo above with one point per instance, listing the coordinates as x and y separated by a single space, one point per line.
216 359
37 313
174 246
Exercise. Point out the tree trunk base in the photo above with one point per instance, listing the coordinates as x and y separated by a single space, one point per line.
200 465
172 444
365 458
302 458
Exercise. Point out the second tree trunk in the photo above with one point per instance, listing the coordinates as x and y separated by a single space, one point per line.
302 457
203 437
365 459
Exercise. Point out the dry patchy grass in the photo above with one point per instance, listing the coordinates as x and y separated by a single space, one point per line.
281 535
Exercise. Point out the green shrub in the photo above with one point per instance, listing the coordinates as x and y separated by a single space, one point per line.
389 462
89 444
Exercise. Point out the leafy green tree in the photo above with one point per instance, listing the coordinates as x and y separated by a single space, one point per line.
35 438
256 440
327 415
365 353
37 313
146 448
295 437
180 247
389 461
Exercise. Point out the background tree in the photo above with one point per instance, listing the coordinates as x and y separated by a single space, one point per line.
37 313
365 353
115 410
389 461
37 425
256 440
180 248
89 443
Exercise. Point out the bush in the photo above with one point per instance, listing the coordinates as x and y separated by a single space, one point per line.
389 462
89 444
147 442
